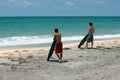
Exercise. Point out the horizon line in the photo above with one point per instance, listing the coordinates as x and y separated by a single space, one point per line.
60 16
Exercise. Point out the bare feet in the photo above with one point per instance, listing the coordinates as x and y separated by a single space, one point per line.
60 60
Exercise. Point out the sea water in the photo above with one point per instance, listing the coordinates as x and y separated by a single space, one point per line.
20 31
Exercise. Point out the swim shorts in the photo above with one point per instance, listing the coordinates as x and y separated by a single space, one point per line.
58 47
90 38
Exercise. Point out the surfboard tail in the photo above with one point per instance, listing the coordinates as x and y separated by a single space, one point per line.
51 50
47 59
83 41
79 46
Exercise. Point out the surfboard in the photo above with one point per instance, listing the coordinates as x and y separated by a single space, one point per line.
51 50
83 41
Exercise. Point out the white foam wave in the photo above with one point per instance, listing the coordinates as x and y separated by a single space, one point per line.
15 41
95 37
107 36
26 40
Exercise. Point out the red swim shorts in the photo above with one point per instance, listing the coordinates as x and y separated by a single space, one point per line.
58 47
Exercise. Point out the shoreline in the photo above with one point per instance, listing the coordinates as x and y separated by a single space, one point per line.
70 44
40 45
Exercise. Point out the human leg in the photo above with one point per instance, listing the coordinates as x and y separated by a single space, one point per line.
60 60
86 44
61 55
91 44
57 54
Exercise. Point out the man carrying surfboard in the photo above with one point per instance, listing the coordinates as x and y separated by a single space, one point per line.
59 45
90 35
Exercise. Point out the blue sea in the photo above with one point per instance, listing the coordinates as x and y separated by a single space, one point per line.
21 31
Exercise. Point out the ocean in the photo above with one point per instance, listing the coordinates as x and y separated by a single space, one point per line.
25 31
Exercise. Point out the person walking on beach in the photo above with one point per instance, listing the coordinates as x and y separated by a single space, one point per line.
90 35
59 45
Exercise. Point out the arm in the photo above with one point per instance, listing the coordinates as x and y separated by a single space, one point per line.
54 37
93 30
89 30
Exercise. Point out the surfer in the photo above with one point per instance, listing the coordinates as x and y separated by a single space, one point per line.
90 35
59 46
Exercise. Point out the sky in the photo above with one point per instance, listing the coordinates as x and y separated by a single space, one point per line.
59 7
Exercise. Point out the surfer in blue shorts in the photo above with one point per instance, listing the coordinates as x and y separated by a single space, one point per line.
90 35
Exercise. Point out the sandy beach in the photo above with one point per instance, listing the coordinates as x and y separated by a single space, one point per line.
100 63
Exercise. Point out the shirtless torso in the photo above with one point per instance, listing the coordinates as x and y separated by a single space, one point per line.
91 30
57 37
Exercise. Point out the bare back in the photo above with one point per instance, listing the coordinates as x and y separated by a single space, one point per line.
91 30
57 37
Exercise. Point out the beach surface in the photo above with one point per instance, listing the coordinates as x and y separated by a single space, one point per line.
100 63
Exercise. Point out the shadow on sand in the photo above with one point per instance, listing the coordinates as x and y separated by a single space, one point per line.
87 48
63 61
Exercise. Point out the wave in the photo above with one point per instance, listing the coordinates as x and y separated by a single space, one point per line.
95 37
26 40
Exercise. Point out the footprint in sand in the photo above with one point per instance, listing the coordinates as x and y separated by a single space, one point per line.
5 64
5 53
66 48
25 51
30 56
16 51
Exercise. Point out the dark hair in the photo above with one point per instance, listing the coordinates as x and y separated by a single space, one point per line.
56 30
90 23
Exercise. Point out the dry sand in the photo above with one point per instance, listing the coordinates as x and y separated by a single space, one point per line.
100 63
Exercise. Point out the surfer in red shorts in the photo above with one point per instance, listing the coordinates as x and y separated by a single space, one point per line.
59 46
